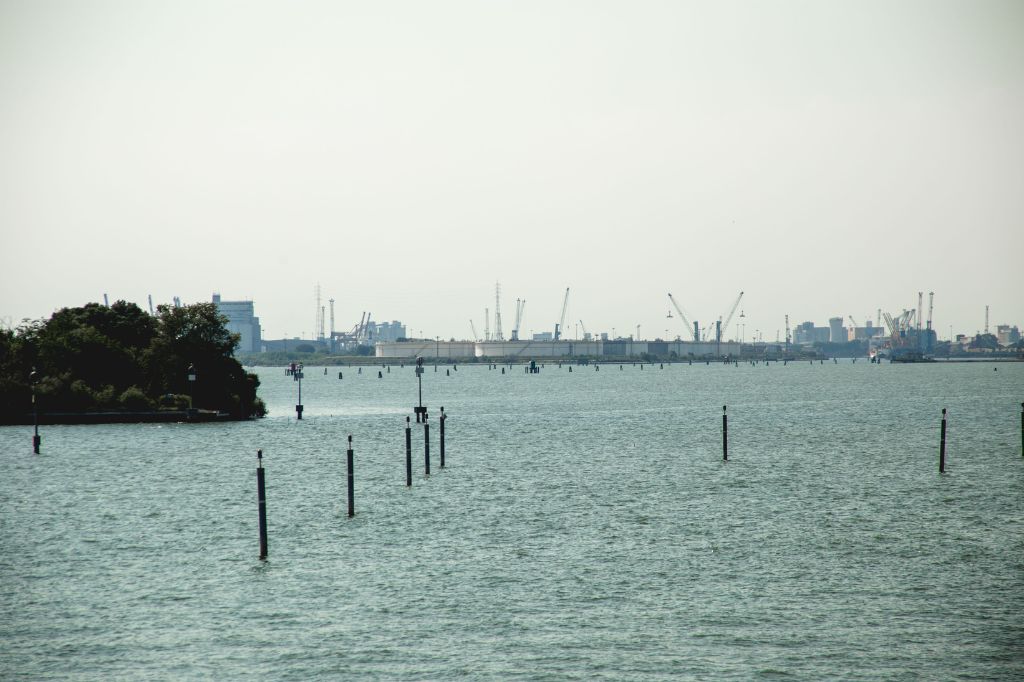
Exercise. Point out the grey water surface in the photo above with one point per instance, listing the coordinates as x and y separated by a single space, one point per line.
585 528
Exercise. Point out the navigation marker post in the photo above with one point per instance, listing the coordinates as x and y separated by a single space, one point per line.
443 417
426 445
261 496
419 410
942 444
725 435
351 481
408 454
33 379
297 376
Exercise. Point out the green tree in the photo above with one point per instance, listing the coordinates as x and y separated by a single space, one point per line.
197 335
120 357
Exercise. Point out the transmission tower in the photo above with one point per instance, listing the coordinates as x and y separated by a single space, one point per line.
498 336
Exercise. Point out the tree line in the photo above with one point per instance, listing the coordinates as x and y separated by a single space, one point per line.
100 358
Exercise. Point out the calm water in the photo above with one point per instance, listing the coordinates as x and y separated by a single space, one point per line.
585 528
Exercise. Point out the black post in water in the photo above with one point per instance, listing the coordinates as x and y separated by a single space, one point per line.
261 495
443 417
426 445
408 454
725 435
942 444
351 482
33 377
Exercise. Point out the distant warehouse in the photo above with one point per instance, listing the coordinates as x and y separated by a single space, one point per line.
550 349
242 321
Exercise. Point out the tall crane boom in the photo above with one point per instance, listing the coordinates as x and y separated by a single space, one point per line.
561 320
682 316
931 303
473 327
520 307
732 311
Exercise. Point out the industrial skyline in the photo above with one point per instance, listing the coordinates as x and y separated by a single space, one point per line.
678 323
829 159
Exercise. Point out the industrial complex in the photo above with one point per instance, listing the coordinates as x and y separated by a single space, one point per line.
908 336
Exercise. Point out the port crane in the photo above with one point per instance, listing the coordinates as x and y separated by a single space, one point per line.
728 319
520 307
473 327
584 328
561 321
689 327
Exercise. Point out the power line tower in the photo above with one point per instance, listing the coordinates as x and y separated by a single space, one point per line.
498 335
318 326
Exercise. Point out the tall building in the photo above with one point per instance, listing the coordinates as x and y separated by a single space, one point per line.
387 331
837 334
241 321
1007 335
807 333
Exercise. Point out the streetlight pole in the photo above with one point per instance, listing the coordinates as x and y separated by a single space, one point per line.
33 377
191 385
298 377
420 410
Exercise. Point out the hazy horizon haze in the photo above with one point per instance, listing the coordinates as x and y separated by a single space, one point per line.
827 158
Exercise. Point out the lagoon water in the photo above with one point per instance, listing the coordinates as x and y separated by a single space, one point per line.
585 528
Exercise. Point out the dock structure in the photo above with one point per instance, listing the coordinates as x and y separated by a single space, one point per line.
445 350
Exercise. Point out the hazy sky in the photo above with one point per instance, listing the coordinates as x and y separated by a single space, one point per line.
828 158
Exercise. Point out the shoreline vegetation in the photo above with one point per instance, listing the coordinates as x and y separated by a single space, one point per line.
100 364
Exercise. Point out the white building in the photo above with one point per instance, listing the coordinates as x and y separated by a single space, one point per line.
241 321
837 334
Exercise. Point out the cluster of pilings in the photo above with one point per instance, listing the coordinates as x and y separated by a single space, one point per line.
261 494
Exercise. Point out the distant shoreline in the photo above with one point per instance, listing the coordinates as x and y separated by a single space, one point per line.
116 417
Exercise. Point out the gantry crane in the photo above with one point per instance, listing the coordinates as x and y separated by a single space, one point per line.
561 320
689 327
520 307
732 311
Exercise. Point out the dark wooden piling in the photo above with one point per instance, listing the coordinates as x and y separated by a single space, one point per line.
408 454
426 445
261 497
351 481
443 418
942 444
725 435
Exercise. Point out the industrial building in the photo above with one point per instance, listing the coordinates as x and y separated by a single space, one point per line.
1007 335
553 349
242 321
807 333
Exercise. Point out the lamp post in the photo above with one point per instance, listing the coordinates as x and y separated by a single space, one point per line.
33 378
297 376
421 412
191 385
